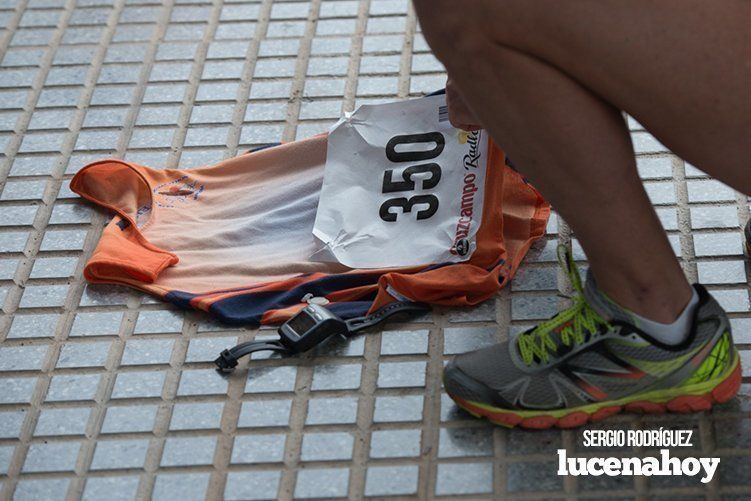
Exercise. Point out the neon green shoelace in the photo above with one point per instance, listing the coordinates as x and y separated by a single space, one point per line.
570 325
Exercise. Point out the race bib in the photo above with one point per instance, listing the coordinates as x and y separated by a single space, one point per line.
401 187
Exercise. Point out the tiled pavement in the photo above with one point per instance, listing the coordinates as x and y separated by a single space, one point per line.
108 394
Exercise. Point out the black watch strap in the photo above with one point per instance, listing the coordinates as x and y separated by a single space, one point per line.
227 359
357 324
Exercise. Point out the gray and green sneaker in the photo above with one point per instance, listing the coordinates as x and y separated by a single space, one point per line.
590 361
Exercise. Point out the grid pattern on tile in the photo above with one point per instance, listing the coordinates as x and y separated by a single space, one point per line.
107 393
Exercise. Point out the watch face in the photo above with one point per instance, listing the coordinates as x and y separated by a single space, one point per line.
302 323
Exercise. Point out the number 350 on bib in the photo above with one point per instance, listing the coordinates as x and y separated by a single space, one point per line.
401 187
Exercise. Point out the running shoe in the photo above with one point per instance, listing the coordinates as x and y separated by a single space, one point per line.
591 361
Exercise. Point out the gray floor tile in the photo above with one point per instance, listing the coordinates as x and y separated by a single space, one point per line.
41 296
70 214
63 240
718 244
89 354
323 483
216 91
184 486
721 272
164 93
250 449
395 443
464 478
129 418
188 451
544 442
119 454
23 190
11 423
271 379
207 349
741 329
404 342
714 217
158 115
202 382
49 489
465 442
17 389
536 279
147 351
391 480
463 339
252 485
483 312
51 456
261 413
401 374
336 377
22 358
170 51
732 300
398 408
533 307
231 31
138 384
196 416
102 294
13 241
332 410
154 322
96 323
71 421
17 215
112 488
339 346
58 97
6 453
54 267
533 476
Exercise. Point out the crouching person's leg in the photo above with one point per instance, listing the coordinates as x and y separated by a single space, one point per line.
572 145
632 328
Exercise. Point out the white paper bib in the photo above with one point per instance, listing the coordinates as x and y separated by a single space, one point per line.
401 187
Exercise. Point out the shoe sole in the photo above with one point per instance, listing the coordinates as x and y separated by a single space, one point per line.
690 401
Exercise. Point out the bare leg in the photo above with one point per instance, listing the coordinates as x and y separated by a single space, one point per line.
547 79
576 149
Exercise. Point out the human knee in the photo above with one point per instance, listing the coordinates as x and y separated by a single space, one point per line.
453 33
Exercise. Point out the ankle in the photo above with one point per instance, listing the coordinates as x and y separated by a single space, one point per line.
660 304
670 333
